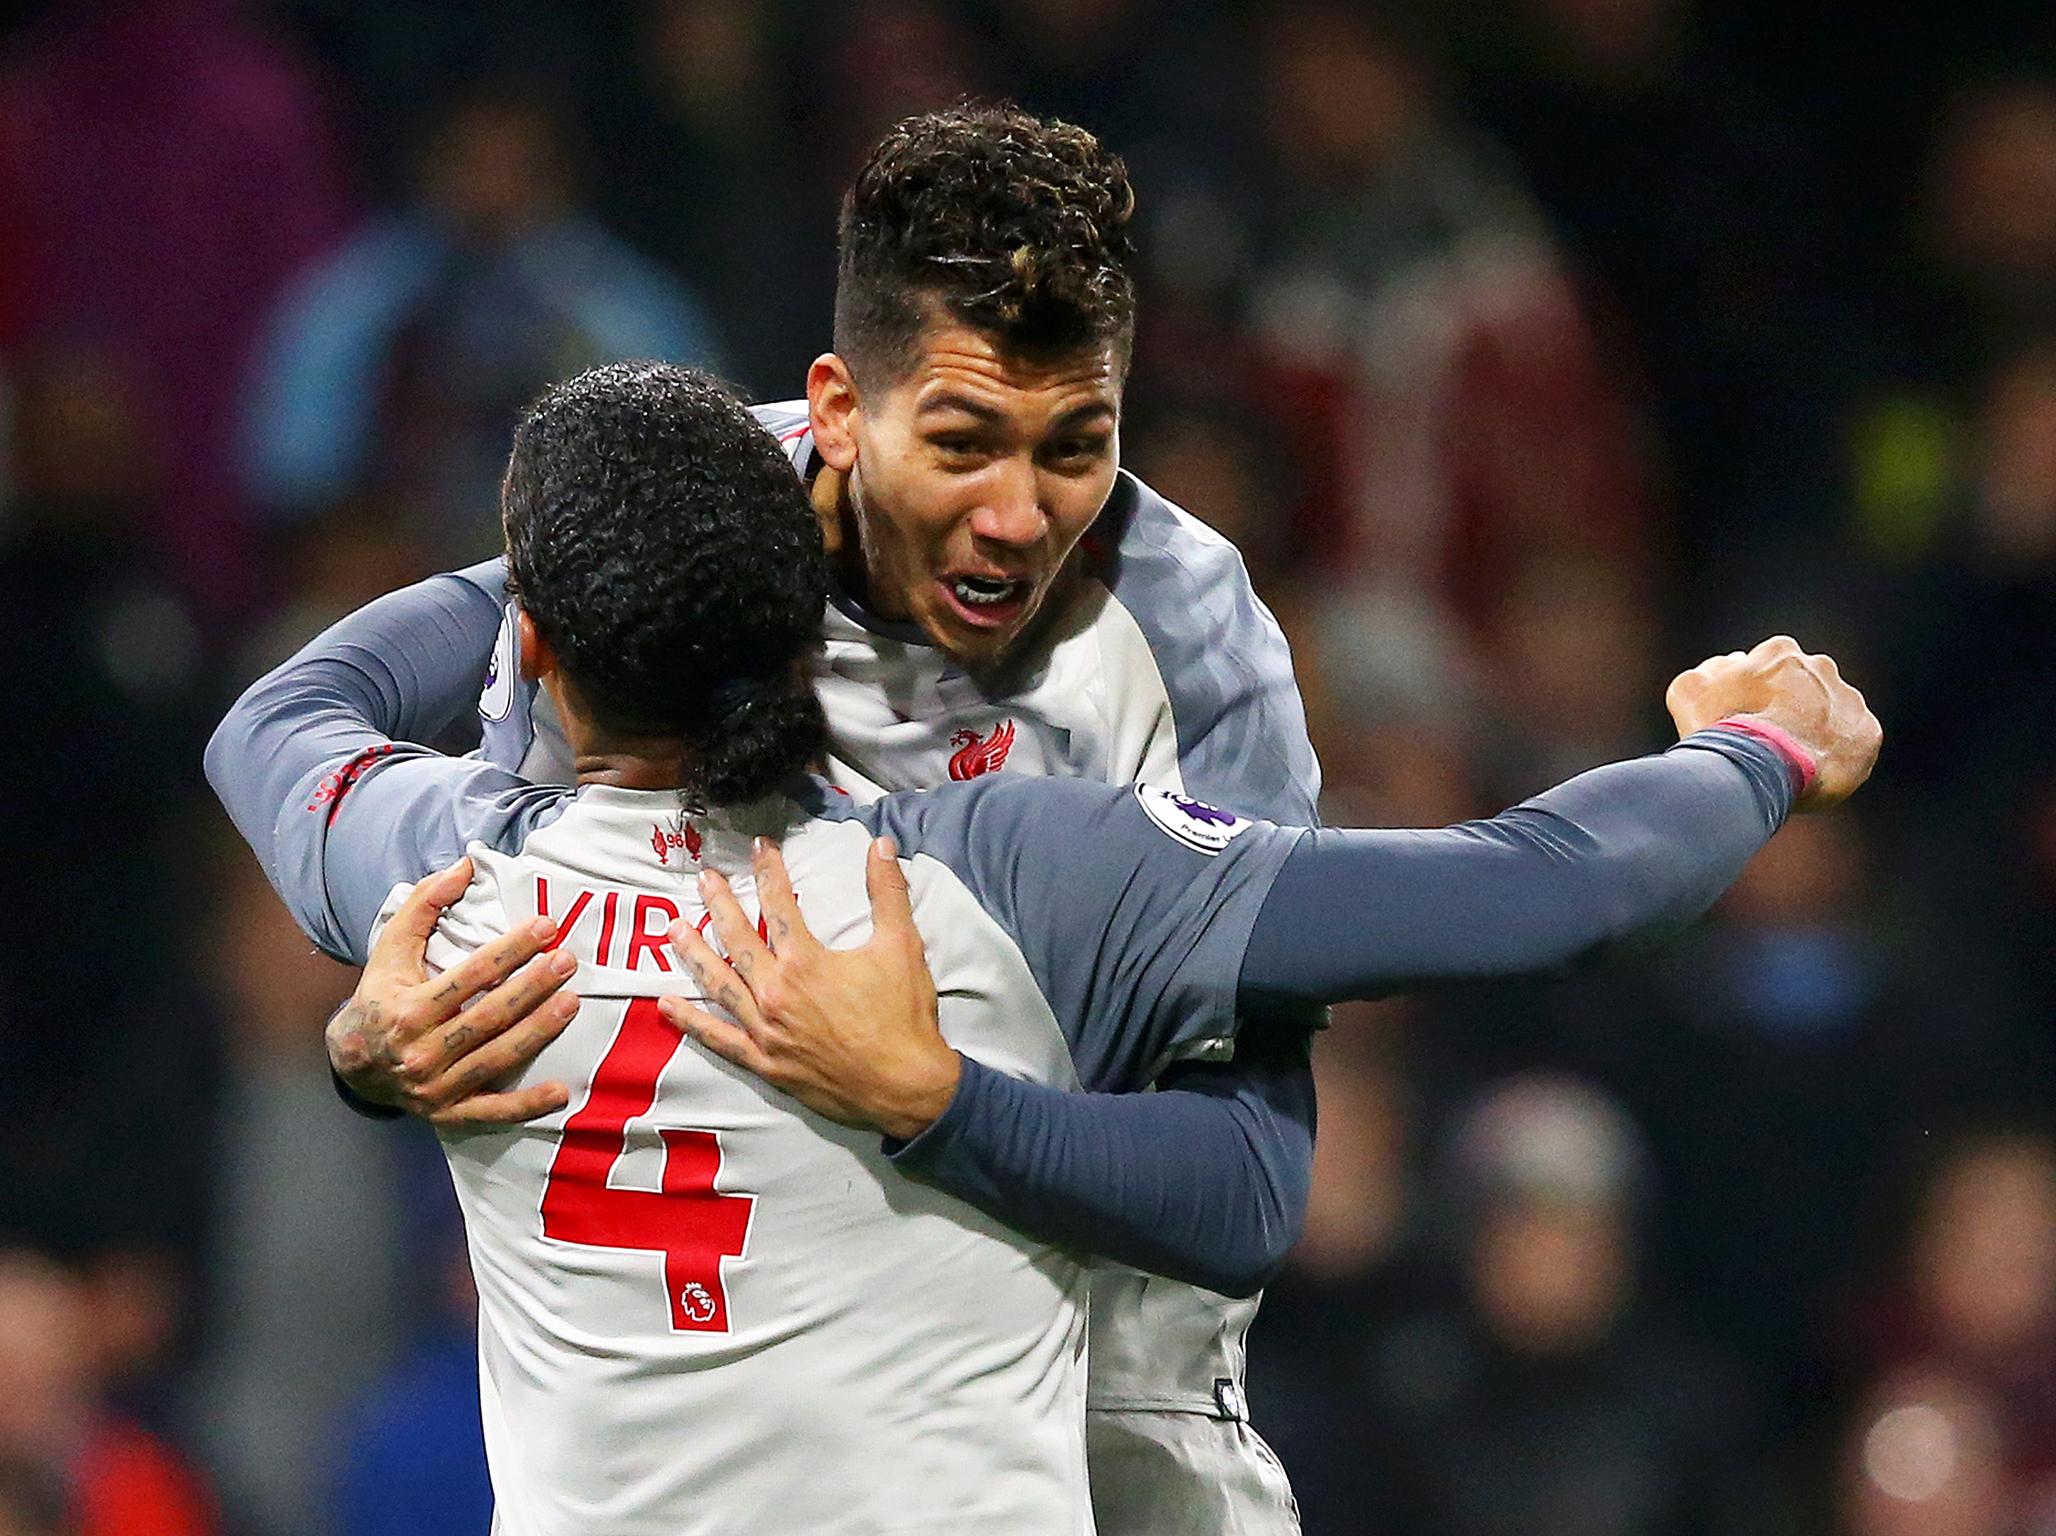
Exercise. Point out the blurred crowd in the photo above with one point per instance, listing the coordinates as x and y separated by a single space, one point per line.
1530 349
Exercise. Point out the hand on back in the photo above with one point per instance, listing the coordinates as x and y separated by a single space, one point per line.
438 1047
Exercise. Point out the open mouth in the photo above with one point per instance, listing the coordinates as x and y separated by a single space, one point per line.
987 601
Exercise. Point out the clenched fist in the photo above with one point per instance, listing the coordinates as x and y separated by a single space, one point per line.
1802 695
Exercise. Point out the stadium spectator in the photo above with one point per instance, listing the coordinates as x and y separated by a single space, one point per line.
308 1240
97 1061
1539 1387
1570 658
399 56
1922 1458
1975 1301
704 91
1449 410
1555 1348
395 368
1792 1013
109 1475
412 1449
1978 784
29 1506
1355 1261
876 62
1969 316
1689 204
1211 458
177 167
334 564
1111 64
1992 216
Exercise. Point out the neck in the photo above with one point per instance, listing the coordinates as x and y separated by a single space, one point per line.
625 761
830 493
628 770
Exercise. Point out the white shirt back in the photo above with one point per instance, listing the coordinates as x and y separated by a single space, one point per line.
807 1341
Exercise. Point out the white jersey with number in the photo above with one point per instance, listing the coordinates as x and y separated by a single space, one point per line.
704 1310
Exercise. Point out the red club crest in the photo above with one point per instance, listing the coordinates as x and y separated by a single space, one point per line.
976 754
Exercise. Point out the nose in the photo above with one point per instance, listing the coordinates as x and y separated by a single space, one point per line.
1011 512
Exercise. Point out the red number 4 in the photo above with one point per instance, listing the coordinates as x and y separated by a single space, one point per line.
690 1222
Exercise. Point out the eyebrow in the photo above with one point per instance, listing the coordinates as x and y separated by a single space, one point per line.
949 400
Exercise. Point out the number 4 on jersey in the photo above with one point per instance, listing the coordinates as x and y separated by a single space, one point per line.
691 1223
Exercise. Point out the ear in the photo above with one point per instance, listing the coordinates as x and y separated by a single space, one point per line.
537 659
832 405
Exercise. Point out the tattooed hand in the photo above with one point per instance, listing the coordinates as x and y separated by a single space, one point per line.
434 1046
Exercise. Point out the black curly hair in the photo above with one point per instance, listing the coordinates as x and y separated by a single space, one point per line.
1017 225
669 556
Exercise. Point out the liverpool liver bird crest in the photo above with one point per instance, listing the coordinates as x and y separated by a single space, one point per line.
975 755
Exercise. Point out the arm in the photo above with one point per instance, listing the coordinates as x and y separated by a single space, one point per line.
1205 1180
1623 852
339 811
301 751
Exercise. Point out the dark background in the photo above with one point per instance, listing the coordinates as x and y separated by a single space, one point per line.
1531 351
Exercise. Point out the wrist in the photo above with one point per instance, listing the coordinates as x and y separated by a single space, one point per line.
927 1101
1800 759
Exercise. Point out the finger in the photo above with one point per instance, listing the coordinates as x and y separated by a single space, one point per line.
775 898
892 904
1827 667
731 1042
445 1048
737 933
486 969
504 1108
1775 648
400 950
717 979
500 1057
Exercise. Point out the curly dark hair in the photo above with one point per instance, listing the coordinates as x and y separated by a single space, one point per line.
666 551
1018 225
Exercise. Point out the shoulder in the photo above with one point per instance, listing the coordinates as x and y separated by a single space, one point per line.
984 818
1225 664
1186 586
998 825
1156 558
444 805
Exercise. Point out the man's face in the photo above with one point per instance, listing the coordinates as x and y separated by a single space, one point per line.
971 479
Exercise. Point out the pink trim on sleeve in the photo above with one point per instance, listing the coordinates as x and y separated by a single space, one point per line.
1801 761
